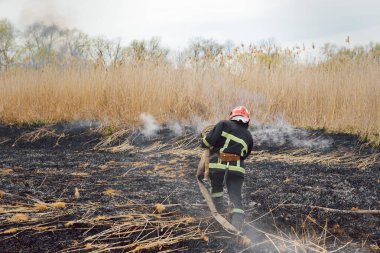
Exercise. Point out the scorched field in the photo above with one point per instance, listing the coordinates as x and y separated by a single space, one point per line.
72 188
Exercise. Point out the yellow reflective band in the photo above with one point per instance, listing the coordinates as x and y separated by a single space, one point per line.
225 145
237 210
206 142
217 194
236 139
223 167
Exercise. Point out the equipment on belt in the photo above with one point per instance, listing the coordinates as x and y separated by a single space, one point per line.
227 157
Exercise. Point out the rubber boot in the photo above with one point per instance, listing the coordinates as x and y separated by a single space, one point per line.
237 220
219 205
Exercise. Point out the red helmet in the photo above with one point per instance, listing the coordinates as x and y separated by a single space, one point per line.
240 113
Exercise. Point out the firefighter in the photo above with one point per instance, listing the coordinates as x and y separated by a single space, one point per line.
230 143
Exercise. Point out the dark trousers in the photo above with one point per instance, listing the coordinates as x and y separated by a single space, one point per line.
234 185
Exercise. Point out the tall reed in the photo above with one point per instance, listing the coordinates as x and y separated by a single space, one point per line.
342 96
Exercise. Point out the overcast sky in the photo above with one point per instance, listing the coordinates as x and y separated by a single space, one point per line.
175 21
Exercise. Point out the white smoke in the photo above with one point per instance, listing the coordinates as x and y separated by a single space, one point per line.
47 12
198 124
82 124
176 128
280 133
150 127
276 134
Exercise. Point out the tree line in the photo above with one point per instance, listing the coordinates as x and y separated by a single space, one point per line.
43 44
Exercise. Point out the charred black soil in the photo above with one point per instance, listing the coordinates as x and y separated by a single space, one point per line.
65 187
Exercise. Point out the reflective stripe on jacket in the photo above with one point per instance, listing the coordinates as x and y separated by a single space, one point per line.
229 137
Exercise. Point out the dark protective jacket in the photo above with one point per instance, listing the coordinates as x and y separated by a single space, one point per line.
229 137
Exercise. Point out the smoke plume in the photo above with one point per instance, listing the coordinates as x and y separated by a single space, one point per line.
82 124
176 128
47 12
198 124
150 127
281 133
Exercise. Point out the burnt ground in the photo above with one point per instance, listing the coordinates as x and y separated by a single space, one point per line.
287 190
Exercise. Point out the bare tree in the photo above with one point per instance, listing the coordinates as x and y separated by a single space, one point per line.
137 50
76 44
155 49
204 49
107 52
42 43
142 50
40 36
7 44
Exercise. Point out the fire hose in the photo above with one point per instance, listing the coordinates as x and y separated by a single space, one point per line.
206 195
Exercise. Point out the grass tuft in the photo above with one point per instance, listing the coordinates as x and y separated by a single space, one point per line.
159 208
10 231
69 224
19 217
59 205
40 206
111 192
76 193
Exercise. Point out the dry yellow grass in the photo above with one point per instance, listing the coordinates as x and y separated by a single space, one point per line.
19 217
59 205
10 231
111 192
80 174
101 217
6 171
339 97
88 246
70 224
76 193
159 208
41 228
41 207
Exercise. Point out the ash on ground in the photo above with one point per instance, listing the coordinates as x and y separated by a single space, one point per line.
287 191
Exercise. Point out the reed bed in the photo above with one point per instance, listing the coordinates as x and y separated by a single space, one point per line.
337 97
